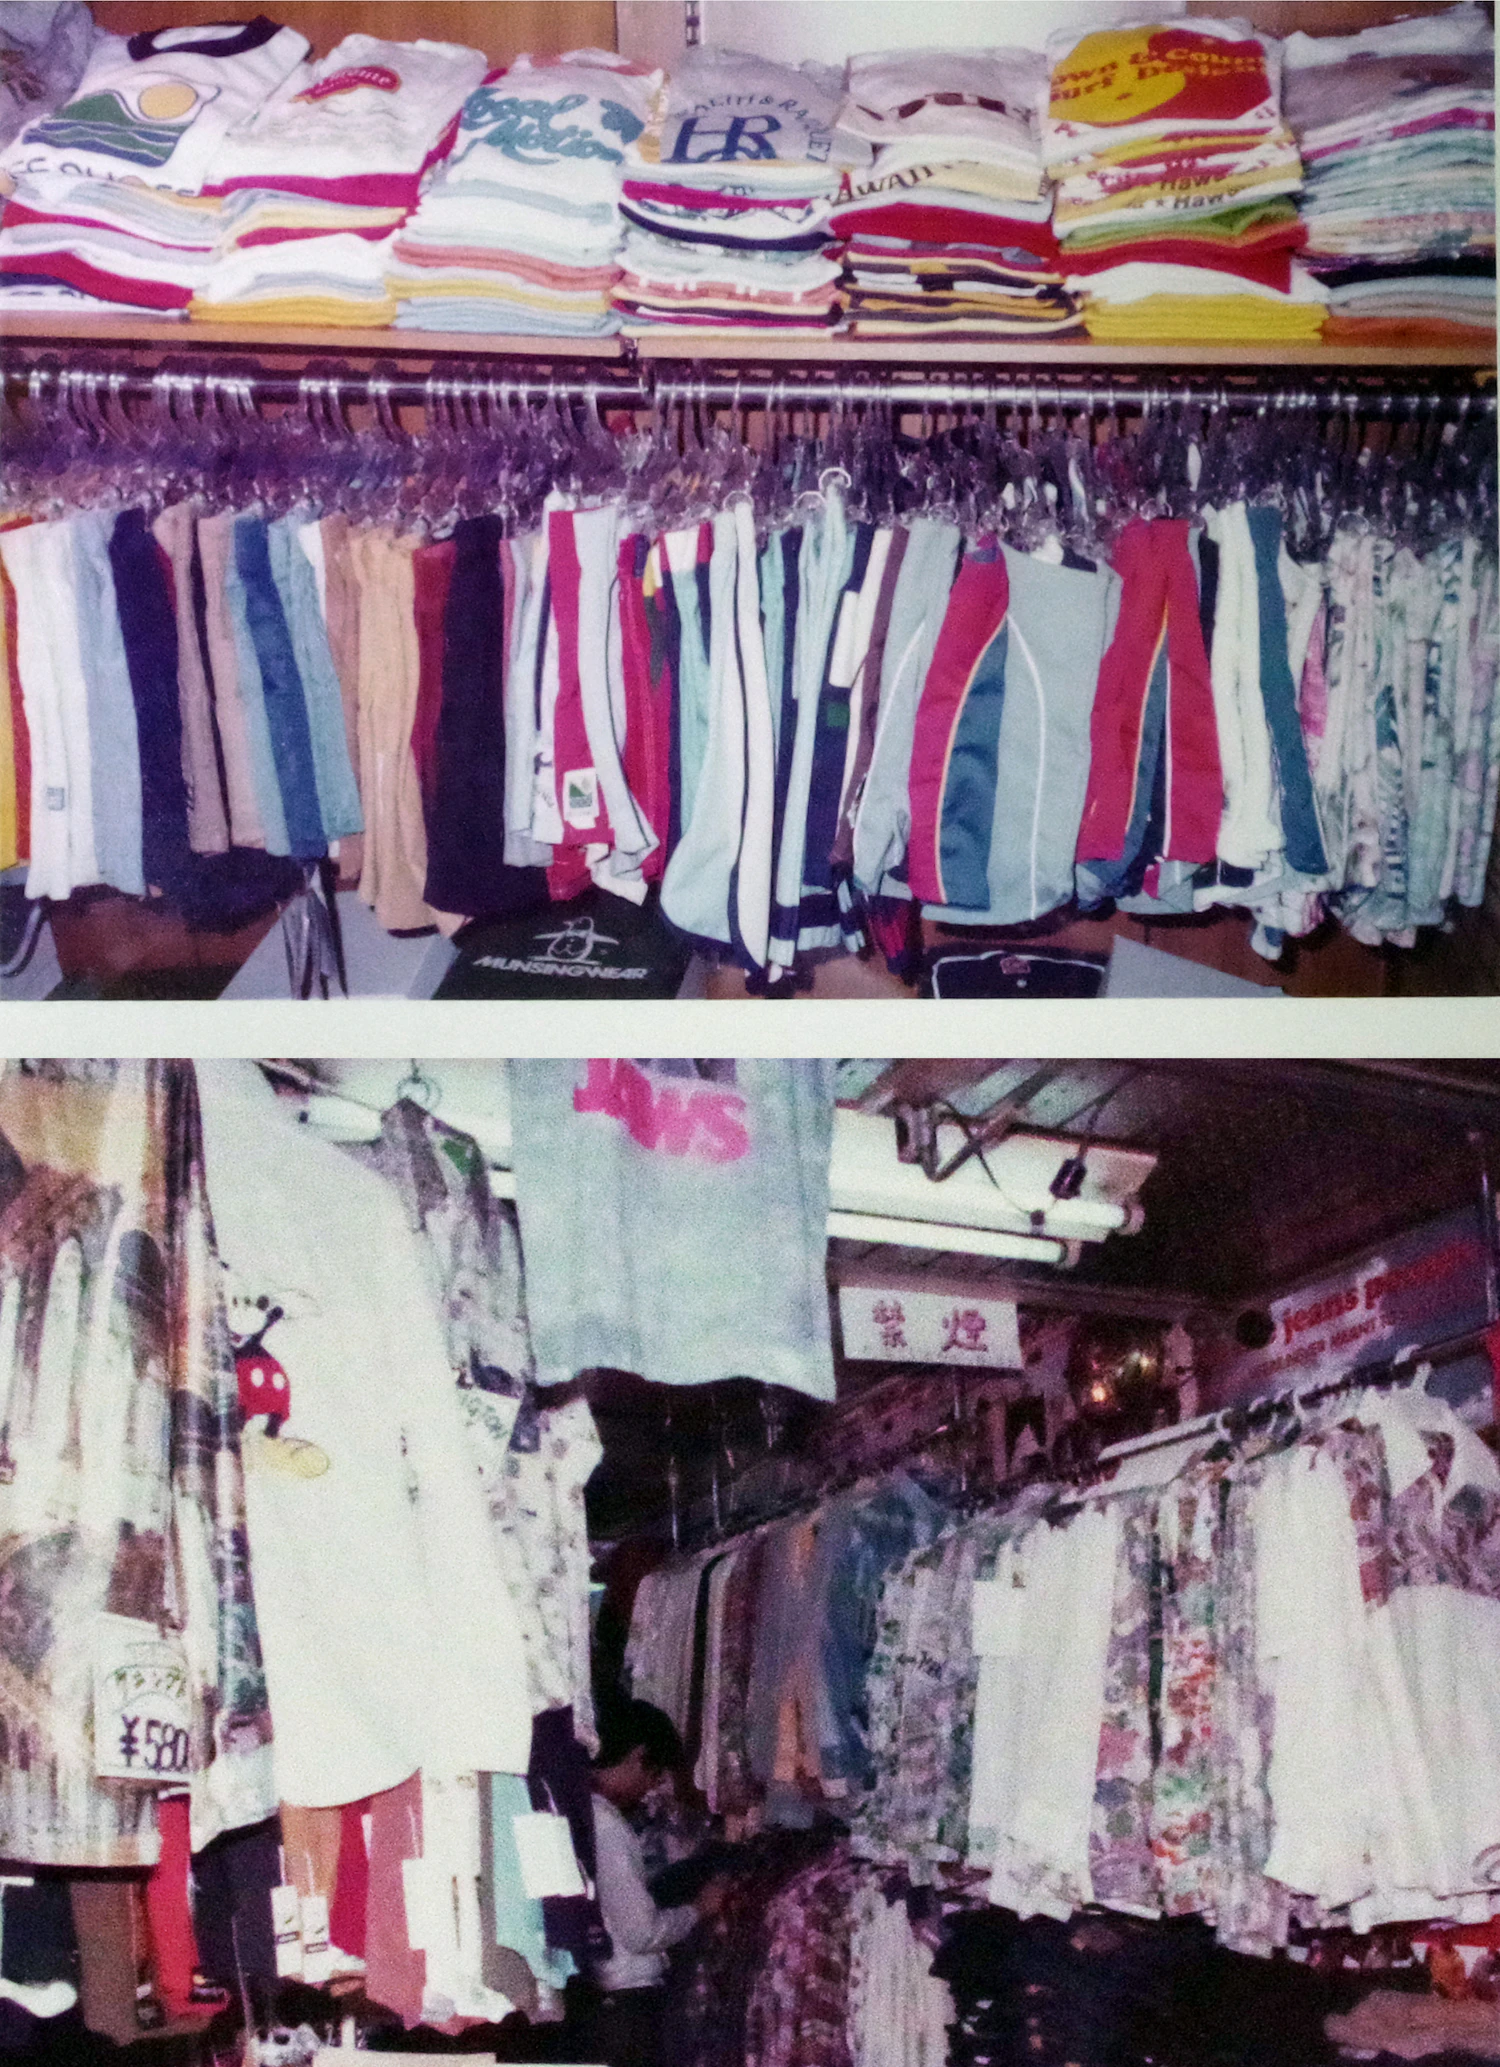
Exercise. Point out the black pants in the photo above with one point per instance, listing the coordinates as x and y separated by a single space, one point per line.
624 2029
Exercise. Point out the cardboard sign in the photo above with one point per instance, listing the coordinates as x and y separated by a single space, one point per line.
929 1328
317 1953
143 1721
1421 1286
286 1930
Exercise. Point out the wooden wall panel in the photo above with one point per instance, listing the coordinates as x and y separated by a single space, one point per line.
502 29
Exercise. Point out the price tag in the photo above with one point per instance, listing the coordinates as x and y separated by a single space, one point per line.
317 1953
549 1866
142 1710
286 1929
580 797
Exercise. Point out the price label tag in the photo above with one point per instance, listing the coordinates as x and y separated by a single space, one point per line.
580 795
549 1866
142 1709
317 1953
286 1929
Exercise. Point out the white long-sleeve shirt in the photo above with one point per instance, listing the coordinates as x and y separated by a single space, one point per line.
641 1933
376 1580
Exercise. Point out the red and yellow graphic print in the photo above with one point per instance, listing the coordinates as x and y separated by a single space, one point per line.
1136 75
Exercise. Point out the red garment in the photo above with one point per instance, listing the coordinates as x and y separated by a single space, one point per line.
648 708
1174 72
20 730
580 794
17 212
567 875
1158 614
722 201
394 1974
1407 333
361 190
976 611
1267 268
923 223
174 1949
432 572
348 1918
373 233
73 271
1486 1934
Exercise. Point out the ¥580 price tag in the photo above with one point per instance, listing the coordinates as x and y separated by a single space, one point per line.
142 1710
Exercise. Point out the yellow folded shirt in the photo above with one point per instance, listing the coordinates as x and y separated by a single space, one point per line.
966 176
1204 319
991 180
482 287
317 311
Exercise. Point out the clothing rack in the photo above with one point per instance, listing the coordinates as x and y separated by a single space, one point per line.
714 1530
329 388
189 391
910 392
1404 1368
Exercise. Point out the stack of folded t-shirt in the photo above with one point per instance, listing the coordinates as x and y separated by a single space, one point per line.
520 228
316 180
1397 130
729 201
108 198
1174 174
124 246
948 231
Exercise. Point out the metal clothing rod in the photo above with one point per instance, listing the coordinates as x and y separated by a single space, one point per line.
1397 1370
187 391
946 393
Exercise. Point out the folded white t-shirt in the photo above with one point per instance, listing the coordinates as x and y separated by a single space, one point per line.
983 97
1455 28
338 261
728 110
560 127
370 107
1138 278
155 107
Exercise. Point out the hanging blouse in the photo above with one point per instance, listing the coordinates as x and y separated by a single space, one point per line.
120 1483
376 1571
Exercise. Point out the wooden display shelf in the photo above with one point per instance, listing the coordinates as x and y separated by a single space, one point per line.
759 346
166 332
1057 354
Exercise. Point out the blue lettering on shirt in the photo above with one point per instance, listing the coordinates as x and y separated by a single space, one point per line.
741 136
528 130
